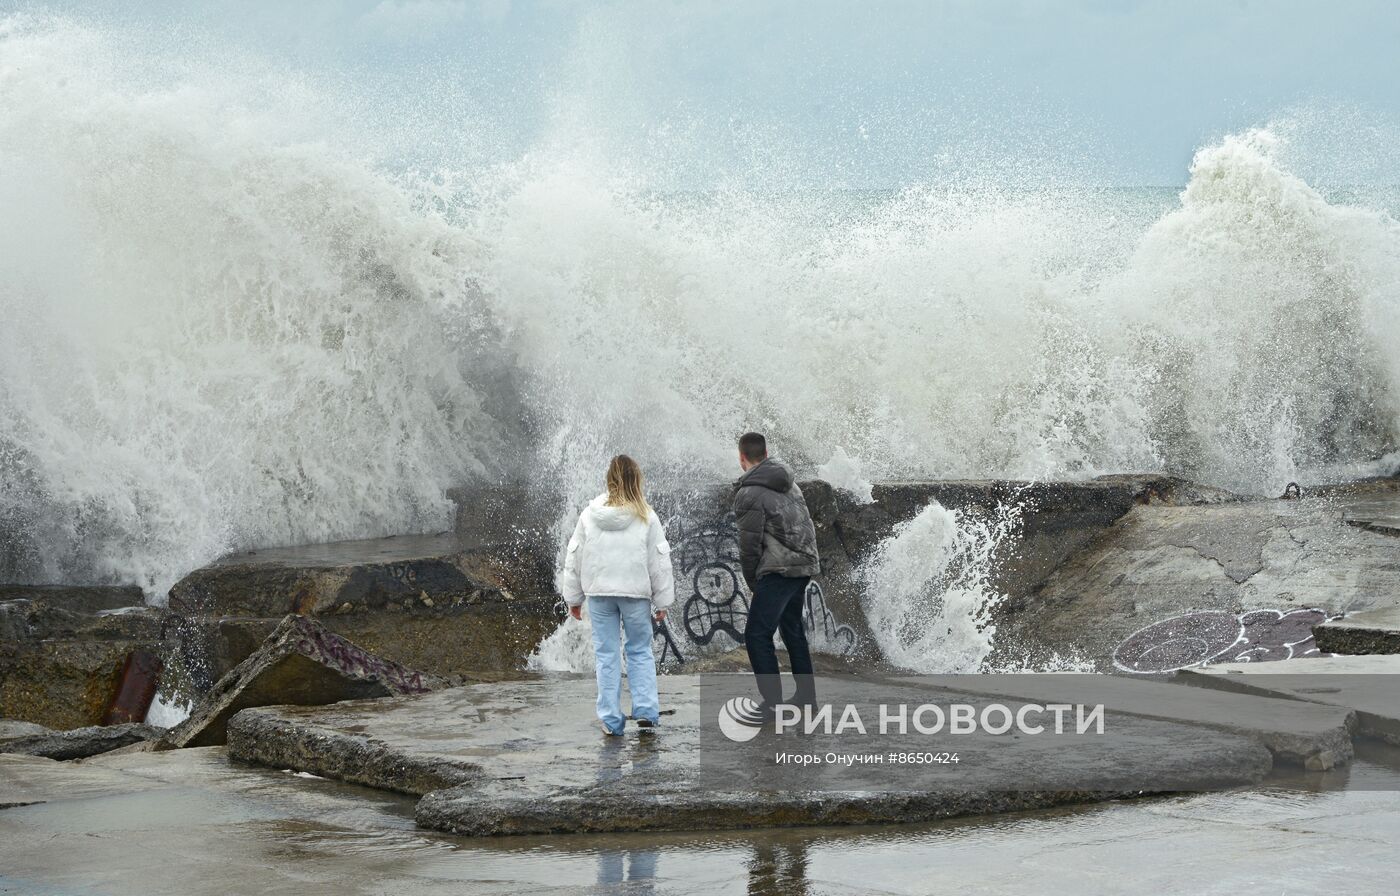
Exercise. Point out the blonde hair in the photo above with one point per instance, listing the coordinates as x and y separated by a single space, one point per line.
625 486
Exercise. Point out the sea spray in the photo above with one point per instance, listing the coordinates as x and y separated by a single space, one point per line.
211 340
569 648
844 473
224 330
927 592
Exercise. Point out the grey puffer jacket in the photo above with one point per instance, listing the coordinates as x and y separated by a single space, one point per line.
776 534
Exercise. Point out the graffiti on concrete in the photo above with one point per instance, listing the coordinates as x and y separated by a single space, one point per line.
709 584
1206 637
332 650
825 630
668 644
714 599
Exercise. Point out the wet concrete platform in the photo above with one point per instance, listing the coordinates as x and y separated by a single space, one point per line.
529 758
192 823
1377 511
1370 631
1317 737
1368 685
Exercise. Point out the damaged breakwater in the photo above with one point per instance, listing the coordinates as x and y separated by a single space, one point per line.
1090 567
62 650
1169 587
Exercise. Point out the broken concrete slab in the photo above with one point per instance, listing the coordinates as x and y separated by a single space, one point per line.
282 737
1366 684
1315 737
1370 631
301 663
1159 563
428 602
78 743
538 764
430 574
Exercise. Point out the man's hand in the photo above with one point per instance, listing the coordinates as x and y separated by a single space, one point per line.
659 615
577 612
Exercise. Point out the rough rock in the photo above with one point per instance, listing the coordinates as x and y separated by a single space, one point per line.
301 663
389 574
77 599
1056 518
429 602
78 743
64 671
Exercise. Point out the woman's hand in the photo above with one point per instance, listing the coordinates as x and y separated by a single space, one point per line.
659 615
577 612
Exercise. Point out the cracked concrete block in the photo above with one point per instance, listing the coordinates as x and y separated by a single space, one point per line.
78 743
301 663
1373 631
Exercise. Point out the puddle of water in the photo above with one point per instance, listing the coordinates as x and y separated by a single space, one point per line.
282 834
1233 838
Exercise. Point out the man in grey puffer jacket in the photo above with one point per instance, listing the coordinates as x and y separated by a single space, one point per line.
778 553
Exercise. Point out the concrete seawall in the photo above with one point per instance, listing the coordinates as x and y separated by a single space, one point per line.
1120 571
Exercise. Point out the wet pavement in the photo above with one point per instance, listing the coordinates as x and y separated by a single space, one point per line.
190 822
527 757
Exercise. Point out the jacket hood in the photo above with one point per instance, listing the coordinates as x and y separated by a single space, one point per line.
611 518
771 474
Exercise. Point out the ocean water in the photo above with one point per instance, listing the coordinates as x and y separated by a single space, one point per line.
224 327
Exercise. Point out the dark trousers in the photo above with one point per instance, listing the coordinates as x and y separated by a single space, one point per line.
777 606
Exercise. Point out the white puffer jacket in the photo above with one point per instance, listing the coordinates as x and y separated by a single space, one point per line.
613 553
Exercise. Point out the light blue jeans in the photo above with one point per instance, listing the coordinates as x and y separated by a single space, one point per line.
632 615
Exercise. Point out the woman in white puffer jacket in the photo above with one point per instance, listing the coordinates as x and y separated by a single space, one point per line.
619 560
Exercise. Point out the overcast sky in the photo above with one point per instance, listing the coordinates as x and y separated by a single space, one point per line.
849 93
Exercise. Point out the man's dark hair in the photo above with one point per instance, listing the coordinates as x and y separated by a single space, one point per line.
753 446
